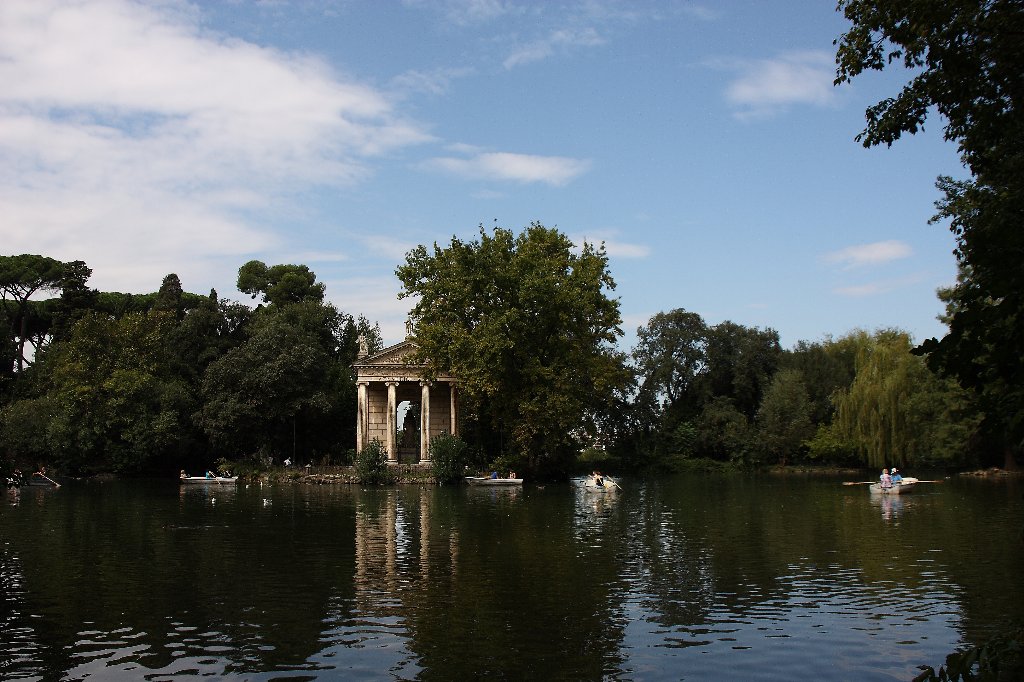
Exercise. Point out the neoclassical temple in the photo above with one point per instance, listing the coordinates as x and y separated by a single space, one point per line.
388 380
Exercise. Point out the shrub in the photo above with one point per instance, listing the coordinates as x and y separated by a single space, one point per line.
448 458
372 464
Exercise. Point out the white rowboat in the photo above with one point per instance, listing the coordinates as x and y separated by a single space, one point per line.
204 479
487 480
896 489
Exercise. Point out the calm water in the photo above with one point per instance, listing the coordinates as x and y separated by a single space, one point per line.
691 578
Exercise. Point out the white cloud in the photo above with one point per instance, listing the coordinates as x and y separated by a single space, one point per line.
377 299
466 12
129 135
875 253
563 39
613 246
387 246
766 86
524 168
879 287
433 82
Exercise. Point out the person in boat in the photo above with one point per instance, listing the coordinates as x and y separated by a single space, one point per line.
209 474
885 479
494 474
183 474
598 479
16 479
896 476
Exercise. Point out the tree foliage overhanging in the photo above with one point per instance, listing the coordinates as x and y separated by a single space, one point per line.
966 60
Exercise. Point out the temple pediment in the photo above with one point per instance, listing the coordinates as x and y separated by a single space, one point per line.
394 363
398 354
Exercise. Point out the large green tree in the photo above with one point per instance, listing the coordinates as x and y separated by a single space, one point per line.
29 321
896 411
670 357
110 401
966 62
279 284
741 361
526 324
282 385
784 418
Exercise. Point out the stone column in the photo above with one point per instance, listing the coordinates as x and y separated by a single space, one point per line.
391 443
362 415
454 402
424 422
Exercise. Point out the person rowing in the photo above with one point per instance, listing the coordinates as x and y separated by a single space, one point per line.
885 479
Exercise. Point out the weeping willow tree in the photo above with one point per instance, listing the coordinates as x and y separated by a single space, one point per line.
897 412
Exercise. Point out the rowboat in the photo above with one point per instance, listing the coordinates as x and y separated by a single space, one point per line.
603 484
487 480
905 486
204 479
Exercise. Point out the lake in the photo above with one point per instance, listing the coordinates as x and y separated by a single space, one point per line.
687 578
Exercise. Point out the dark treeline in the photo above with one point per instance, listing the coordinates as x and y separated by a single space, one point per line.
101 381
730 393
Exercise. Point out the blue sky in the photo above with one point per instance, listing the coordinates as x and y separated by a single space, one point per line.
702 142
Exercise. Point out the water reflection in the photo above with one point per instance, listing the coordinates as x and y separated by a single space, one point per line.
891 506
688 577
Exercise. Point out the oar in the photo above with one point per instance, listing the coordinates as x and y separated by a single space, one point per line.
912 482
858 482
615 484
48 478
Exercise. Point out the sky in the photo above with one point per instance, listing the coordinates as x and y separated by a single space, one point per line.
702 142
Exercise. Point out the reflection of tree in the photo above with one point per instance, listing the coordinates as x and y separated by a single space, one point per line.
180 578
19 638
676 579
476 576
454 582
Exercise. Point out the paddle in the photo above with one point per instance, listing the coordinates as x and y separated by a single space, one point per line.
858 482
615 484
47 478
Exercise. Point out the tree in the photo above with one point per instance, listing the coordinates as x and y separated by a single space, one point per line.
723 432
740 364
896 411
966 58
111 401
671 355
21 277
526 325
255 394
825 367
784 418
168 298
279 284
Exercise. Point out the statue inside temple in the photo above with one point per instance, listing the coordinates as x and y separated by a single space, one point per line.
411 429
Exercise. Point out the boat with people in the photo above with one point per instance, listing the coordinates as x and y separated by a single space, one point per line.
492 480
597 482
210 477
892 483
896 488
204 479
17 479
